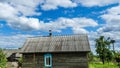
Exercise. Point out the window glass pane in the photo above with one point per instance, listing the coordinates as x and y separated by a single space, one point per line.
48 61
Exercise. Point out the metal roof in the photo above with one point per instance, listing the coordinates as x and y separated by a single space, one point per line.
67 43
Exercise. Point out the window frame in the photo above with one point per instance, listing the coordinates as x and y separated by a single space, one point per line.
46 56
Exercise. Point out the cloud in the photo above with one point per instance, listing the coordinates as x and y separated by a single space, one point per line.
112 18
26 8
16 13
114 10
13 41
7 13
11 15
78 30
76 24
92 3
23 6
23 23
15 16
28 24
54 4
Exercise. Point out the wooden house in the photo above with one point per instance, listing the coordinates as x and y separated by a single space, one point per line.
12 55
69 51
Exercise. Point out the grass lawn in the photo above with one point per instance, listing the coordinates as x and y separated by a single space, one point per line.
100 65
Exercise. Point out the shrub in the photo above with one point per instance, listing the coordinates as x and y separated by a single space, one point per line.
3 59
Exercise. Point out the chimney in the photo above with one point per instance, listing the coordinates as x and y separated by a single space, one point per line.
50 33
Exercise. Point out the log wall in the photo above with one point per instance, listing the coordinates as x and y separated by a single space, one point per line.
59 60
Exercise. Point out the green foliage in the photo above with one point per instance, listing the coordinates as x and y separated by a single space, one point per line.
117 54
102 49
3 59
117 58
20 60
110 55
90 56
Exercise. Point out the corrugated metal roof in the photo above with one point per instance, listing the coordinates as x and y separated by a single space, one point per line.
67 43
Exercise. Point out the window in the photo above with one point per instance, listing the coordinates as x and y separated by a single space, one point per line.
48 60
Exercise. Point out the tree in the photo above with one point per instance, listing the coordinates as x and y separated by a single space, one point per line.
3 59
102 48
113 41
109 56
117 58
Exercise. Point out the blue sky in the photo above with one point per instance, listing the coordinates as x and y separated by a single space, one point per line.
20 19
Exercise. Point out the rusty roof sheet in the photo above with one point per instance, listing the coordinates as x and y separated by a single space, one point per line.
67 43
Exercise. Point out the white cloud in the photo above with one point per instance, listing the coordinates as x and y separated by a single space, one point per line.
114 10
24 23
7 11
92 3
112 18
76 24
78 30
54 4
25 7
13 41
14 12
16 17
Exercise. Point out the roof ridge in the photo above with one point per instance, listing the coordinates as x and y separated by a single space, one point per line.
58 35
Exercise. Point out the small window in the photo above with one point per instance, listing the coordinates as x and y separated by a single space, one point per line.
48 60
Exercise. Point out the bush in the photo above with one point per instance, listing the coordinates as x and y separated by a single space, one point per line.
117 58
3 59
20 61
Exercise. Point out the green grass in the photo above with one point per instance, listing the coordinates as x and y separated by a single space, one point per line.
100 65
